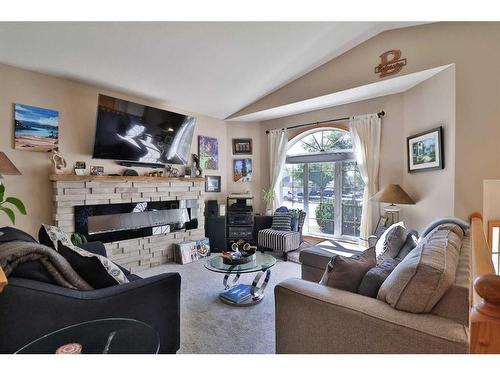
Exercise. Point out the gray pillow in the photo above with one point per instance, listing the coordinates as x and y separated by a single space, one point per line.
374 278
418 283
346 273
391 242
409 245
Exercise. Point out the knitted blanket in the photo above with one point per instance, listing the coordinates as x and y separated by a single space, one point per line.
16 252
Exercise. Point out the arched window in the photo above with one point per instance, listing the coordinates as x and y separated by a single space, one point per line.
321 177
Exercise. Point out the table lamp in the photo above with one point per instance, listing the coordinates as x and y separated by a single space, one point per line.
6 166
393 194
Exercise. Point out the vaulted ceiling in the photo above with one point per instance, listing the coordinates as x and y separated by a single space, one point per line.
212 68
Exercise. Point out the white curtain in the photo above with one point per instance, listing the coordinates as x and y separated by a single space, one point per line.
278 144
366 132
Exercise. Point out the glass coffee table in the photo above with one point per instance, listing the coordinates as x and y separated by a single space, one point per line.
102 336
261 264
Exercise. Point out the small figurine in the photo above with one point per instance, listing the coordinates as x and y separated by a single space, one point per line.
58 162
196 166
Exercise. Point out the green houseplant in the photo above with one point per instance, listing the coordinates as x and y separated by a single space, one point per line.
268 200
15 202
324 216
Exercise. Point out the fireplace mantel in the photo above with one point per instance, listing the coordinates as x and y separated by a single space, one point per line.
72 177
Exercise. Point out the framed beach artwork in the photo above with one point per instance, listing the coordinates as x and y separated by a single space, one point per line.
35 129
242 170
208 152
425 151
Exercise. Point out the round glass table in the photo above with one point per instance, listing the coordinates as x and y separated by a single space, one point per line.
253 293
103 336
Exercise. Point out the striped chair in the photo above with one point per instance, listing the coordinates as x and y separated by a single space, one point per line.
281 241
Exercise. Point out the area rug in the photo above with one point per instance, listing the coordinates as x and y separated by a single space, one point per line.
210 326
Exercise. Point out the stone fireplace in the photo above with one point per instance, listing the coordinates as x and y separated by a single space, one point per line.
138 218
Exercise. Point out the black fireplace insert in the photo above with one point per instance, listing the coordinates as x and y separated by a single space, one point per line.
120 221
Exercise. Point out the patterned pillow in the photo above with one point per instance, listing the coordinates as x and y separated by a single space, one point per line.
55 234
282 221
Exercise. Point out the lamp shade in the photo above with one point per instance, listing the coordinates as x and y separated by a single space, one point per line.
6 166
393 194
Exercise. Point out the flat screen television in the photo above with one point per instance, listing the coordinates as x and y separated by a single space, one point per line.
134 132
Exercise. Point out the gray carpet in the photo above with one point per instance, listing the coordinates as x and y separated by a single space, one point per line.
210 326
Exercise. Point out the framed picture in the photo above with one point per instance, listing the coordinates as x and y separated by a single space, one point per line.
381 226
242 170
242 146
212 184
208 152
425 151
96 170
35 129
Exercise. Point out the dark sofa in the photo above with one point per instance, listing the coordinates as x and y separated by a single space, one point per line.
30 309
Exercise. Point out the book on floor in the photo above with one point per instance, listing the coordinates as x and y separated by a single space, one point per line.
238 293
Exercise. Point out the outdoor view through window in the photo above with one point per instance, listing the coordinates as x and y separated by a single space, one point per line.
322 178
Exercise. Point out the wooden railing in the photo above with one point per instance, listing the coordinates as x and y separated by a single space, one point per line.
485 294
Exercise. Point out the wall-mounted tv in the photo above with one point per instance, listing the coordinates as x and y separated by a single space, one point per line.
134 132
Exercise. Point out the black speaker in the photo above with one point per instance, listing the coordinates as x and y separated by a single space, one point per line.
212 208
215 230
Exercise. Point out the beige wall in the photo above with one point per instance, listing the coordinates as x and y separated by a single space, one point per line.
422 107
428 105
259 164
77 104
474 49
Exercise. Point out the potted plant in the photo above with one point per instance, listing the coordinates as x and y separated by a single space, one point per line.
268 200
12 201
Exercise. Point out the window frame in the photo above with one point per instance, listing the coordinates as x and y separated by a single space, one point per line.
333 156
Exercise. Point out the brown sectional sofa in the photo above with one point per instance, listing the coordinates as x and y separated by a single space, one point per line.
312 318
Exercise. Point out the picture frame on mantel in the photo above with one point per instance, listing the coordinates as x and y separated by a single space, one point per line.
425 151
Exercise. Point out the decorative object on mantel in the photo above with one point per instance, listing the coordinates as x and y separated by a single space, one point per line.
35 129
80 168
58 162
425 150
96 170
130 172
242 146
392 194
196 168
171 171
242 170
212 185
156 174
390 63
8 168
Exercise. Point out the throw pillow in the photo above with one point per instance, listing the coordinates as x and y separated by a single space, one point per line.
94 271
391 241
409 245
374 278
282 221
85 261
346 273
418 283
8 234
